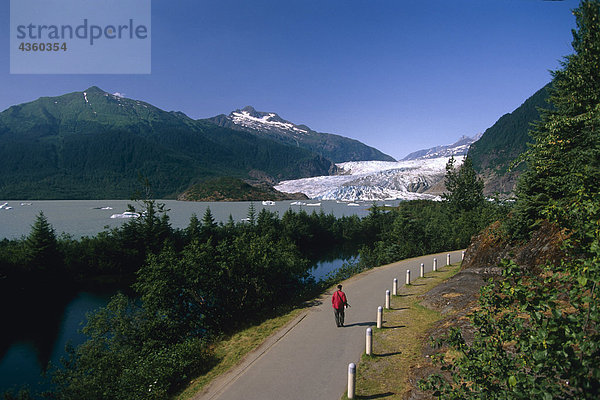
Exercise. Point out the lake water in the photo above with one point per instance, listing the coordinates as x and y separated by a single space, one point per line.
37 331
87 218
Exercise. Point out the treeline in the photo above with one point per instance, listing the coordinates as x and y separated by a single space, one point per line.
120 252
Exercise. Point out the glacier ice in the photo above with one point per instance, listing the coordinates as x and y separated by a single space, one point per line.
374 180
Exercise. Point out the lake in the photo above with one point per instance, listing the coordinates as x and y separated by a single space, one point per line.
88 217
35 331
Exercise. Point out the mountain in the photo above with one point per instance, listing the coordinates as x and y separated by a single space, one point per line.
502 143
270 125
94 144
459 148
374 180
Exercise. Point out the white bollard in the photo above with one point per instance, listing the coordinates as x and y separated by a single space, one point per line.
395 287
408 276
379 316
422 271
462 255
387 299
369 343
435 264
448 259
351 380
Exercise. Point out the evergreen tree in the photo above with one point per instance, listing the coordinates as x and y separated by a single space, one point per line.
208 221
41 246
564 159
194 228
251 214
209 226
464 188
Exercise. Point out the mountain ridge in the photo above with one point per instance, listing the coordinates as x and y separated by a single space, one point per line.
93 144
337 148
458 148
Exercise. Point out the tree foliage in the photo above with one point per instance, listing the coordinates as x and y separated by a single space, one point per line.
464 187
564 158
538 331
41 246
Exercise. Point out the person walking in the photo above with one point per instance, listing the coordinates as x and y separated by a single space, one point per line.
339 303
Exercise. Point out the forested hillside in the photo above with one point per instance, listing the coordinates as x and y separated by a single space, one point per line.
502 144
93 144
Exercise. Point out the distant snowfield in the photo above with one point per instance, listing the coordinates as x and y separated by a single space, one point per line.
374 180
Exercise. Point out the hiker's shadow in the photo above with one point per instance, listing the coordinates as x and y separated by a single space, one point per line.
361 324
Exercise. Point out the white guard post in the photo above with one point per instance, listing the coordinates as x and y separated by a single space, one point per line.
369 341
387 299
351 380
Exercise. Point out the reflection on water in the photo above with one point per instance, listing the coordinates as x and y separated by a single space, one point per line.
324 268
38 323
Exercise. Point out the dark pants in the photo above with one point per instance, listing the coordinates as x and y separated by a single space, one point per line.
339 316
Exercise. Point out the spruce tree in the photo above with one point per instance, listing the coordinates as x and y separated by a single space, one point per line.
41 246
208 221
564 159
464 187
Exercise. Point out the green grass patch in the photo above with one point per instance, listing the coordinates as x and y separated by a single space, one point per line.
231 350
398 346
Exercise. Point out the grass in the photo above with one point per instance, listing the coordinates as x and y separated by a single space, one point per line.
231 350
398 345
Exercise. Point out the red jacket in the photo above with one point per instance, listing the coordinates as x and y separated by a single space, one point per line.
338 300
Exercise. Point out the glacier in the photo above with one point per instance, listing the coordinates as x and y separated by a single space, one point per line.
374 180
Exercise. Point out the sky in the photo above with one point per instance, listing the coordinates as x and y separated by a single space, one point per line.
398 75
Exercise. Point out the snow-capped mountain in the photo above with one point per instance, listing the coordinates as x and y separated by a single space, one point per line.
248 117
459 148
270 125
374 180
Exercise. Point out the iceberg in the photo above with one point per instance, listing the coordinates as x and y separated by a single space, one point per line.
126 214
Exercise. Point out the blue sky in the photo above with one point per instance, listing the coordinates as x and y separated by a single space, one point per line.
399 75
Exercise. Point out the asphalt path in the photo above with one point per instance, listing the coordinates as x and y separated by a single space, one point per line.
308 358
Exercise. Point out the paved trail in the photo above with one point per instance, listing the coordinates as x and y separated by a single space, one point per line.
308 359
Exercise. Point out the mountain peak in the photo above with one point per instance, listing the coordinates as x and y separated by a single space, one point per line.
249 109
459 148
94 89
249 117
269 124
